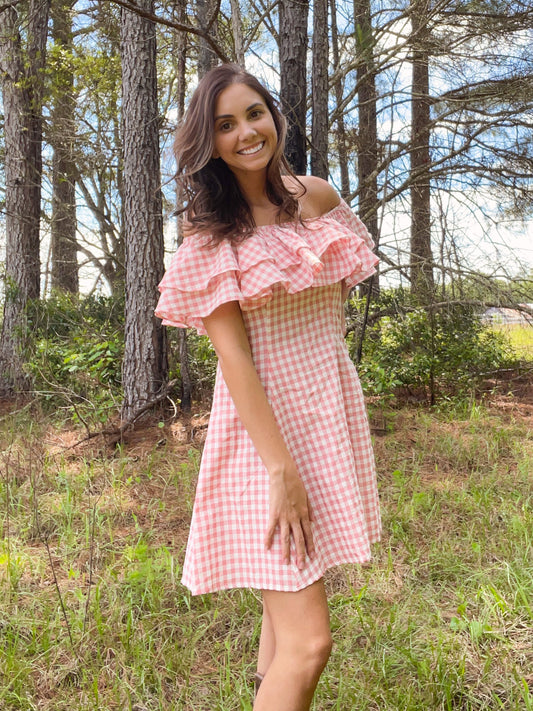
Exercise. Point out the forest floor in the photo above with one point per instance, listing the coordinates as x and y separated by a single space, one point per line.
93 616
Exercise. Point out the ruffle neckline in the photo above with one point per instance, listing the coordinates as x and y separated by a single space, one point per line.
324 250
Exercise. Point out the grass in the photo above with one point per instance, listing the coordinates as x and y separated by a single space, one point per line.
93 616
521 338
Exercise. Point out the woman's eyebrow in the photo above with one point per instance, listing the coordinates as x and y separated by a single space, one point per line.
226 116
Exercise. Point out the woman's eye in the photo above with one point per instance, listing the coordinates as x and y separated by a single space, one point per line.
256 113
224 126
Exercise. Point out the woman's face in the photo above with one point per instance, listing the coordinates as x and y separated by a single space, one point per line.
245 133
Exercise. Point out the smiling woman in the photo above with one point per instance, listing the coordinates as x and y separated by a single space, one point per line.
216 202
287 486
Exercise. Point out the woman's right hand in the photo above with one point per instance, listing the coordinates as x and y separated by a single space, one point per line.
289 512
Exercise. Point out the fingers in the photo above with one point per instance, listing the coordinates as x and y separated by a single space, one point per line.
308 538
285 534
269 535
299 544
301 533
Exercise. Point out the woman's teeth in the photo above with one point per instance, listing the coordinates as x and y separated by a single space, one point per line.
253 149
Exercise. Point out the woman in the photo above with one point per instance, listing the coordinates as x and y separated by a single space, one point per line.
287 486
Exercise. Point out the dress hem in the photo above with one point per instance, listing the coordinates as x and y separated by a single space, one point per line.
279 588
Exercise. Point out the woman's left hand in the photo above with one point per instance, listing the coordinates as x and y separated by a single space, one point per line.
289 511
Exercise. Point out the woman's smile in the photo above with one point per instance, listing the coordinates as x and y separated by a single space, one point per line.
252 149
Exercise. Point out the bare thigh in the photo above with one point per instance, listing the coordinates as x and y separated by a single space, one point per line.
299 620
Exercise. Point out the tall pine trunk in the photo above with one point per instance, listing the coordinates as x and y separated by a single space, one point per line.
180 47
319 101
338 85
21 69
144 370
367 154
62 133
421 259
293 73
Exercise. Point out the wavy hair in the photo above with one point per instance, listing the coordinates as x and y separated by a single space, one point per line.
215 203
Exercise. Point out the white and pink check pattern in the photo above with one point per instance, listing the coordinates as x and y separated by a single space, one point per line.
288 280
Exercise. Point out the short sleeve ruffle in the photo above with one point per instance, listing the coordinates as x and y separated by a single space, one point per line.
202 276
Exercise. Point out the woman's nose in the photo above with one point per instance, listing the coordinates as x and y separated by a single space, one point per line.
247 131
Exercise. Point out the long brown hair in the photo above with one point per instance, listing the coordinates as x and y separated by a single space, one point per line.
215 203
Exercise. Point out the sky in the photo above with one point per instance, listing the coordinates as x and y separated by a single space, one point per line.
488 244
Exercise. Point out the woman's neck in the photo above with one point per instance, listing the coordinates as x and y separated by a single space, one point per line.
253 187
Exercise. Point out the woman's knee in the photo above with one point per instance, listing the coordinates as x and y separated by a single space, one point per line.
313 651
322 647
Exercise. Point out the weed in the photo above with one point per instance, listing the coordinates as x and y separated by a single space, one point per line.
94 616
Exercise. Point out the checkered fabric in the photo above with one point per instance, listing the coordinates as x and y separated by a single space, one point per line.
288 280
328 249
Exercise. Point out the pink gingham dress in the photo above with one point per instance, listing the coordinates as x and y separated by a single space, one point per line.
288 281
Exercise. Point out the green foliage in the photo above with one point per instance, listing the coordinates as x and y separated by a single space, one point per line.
428 347
76 348
75 354
202 362
76 351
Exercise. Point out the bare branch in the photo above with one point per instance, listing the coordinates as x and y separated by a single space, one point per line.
204 34
8 5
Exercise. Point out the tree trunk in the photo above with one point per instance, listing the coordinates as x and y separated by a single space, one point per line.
183 346
293 73
236 28
319 104
144 369
339 90
207 58
62 132
421 259
367 155
22 84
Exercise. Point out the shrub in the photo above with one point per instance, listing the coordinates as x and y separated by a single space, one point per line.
75 353
427 348
202 362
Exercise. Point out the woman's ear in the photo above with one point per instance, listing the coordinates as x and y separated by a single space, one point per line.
216 154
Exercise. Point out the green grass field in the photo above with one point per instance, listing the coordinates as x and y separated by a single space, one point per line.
521 338
93 616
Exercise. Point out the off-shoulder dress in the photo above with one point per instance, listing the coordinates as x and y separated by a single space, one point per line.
288 280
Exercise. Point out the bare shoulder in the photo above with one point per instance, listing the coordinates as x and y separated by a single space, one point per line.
320 197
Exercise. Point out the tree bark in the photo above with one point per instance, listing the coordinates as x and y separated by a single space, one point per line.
293 73
62 133
320 91
21 69
145 369
207 57
367 155
339 90
183 346
236 27
421 258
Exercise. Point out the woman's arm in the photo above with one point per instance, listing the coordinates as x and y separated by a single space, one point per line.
289 508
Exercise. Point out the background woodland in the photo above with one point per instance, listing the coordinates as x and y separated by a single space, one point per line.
419 112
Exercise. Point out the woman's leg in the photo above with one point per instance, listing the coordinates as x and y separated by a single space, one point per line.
300 623
267 643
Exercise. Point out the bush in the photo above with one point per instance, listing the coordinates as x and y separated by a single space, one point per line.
77 343
202 363
428 348
75 353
